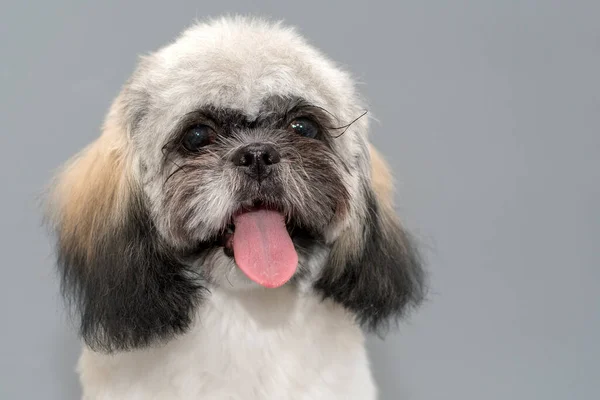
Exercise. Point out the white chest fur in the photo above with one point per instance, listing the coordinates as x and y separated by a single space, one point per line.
260 344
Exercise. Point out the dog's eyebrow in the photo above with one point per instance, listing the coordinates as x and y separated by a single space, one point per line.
215 115
281 105
277 107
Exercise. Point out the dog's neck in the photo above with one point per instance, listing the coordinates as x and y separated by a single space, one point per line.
269 308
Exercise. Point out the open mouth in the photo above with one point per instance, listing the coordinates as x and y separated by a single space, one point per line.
260 241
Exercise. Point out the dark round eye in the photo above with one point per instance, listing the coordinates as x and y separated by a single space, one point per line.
198 136
305 127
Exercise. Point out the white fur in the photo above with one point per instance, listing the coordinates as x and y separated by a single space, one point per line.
251 345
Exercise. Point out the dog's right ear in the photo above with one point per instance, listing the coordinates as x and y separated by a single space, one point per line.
377 274
128 287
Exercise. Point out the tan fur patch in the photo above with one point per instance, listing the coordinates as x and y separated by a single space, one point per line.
383 186
350 242
383 183
90 194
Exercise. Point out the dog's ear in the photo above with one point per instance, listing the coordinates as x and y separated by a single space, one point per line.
374 270
127 286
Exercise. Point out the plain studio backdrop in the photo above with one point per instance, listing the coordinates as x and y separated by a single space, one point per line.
489 113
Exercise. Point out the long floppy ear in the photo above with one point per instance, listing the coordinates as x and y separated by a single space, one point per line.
375 272
127 286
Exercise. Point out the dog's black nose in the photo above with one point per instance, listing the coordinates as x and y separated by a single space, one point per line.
256 159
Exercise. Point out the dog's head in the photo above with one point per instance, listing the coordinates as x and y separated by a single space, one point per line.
234 157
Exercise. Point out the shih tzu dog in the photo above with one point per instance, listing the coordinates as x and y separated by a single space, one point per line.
232 231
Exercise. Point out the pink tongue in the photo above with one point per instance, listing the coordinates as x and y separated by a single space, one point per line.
263 249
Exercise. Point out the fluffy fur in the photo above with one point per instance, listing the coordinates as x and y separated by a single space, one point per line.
139 221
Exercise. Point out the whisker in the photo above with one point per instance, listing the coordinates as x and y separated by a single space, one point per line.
345 127
179 168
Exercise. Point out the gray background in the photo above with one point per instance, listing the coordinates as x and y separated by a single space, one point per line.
488 112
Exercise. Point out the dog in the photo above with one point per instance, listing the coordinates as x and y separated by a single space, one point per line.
231 234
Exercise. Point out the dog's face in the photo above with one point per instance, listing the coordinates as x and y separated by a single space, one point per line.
234 157
223 168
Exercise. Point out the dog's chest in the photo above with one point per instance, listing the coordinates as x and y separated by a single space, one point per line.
267 345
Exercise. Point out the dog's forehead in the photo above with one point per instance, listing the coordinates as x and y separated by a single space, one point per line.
240 64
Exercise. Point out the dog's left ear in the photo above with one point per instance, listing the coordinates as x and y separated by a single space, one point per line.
129 289
375 270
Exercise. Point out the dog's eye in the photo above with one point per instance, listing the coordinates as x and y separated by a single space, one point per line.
198 136
305 127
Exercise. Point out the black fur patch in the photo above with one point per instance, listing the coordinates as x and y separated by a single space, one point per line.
384 282
133 291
